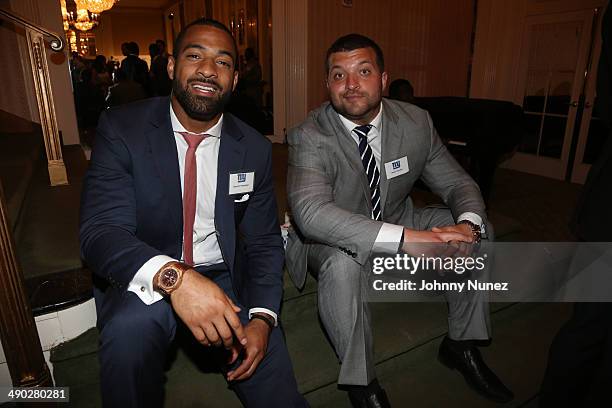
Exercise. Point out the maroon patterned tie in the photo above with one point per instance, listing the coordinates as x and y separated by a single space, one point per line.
190 190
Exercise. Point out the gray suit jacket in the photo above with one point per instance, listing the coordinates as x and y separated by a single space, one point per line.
328 189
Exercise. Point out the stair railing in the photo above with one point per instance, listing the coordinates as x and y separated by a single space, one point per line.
20 341
35 37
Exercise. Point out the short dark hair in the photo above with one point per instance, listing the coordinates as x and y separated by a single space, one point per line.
352 42
133 48
205 22
153 50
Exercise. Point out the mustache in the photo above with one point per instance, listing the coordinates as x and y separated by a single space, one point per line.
206 81
353 93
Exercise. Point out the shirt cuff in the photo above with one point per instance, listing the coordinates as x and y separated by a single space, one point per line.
474 219
388 238
142 283
264 310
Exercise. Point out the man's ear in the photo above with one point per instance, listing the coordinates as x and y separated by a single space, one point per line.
384 78
170 66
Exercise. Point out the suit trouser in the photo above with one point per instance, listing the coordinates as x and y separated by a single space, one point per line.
346 316
134 344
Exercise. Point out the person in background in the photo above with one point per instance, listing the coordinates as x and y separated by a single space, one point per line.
133 65
250 78
89 101
77 65
125 90
401 90
101 77
161 45
161 84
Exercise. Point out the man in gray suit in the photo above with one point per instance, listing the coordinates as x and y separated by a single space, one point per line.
348 201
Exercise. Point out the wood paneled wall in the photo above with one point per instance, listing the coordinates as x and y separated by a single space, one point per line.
425 41
194 9
497 49
119 25
498 43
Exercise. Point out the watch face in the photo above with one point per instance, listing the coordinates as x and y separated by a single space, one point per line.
169 278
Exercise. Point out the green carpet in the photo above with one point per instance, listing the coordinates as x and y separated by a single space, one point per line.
406 339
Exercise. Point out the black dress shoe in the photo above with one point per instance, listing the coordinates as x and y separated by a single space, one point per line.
376 399
466 358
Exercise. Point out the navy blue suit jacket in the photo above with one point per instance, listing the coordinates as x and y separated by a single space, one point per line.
131 206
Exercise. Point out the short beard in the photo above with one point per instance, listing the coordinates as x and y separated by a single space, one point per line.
196 107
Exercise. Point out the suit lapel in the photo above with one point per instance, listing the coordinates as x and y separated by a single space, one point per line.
165 156
349 148
391 145
231 159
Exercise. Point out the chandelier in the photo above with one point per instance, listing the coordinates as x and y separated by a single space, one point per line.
96 6
84 20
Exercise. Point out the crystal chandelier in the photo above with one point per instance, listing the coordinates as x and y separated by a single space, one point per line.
84 20
96 6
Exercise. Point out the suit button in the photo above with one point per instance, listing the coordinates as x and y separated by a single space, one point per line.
354 255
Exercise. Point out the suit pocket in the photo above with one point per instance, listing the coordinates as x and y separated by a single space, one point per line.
239 209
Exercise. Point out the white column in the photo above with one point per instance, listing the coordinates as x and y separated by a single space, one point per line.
289 43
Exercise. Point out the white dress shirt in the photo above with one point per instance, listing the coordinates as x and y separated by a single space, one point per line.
390 233
206 250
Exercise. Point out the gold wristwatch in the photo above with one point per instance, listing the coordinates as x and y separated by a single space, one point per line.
169 277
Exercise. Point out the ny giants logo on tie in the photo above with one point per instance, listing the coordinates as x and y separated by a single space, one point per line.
241 177
395 165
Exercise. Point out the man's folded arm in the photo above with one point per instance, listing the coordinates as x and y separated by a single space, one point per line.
108 212
313 209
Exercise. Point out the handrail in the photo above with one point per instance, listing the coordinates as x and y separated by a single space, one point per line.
57 44
35 38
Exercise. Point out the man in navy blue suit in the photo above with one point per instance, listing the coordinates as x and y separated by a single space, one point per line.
179 222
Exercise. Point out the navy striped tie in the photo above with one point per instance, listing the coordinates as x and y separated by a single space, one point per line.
371 169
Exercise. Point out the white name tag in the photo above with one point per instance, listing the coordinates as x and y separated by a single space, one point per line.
240 183
396 167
